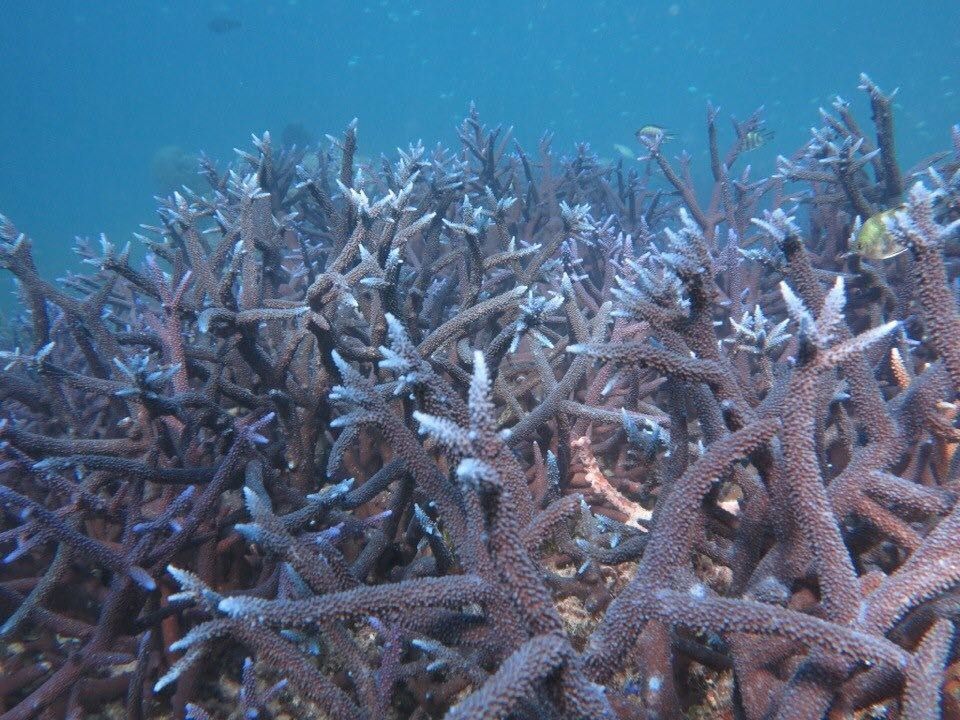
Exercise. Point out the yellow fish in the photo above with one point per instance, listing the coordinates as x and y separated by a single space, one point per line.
625 151
874 240
654 133
755 138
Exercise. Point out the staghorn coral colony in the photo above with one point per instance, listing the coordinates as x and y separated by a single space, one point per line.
489 434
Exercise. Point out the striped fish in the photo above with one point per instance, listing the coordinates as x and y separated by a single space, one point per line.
755 138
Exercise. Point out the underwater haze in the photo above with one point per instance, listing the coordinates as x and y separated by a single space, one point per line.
552 360
108 103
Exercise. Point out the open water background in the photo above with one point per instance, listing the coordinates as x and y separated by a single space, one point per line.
92 94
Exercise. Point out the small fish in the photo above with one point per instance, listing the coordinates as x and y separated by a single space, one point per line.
654 133
874 241
756 138
221 25
625 151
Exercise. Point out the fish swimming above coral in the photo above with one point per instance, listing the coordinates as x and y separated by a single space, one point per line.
222 24
753 139
654 133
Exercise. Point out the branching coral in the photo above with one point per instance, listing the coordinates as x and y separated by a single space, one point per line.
479 434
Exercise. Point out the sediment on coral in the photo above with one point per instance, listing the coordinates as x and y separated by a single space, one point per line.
483 433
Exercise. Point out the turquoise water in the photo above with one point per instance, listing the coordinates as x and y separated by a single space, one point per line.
92 91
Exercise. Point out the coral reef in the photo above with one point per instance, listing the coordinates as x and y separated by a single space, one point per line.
485 434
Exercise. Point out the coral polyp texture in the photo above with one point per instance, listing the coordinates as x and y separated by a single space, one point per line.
483 433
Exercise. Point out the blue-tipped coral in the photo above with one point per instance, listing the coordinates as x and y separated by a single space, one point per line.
363 441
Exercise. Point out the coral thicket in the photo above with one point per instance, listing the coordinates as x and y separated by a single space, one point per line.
483 433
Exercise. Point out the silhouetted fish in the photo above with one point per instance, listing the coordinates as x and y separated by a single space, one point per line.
221 25
296 133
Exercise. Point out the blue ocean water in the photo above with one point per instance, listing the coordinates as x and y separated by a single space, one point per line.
100 100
